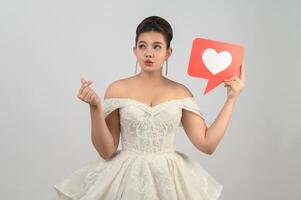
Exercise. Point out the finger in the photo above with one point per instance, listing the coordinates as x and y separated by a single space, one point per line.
242 72
227 82
92 97
88 83
80 90
85 92
88 96
237 80
84 85
82 80
229 79
233 78
85 82
230 84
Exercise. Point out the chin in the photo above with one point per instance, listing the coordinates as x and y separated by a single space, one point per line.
151 68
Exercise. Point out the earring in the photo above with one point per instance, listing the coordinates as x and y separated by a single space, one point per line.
166 67
136 66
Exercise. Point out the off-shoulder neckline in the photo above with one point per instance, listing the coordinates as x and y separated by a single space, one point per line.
146 105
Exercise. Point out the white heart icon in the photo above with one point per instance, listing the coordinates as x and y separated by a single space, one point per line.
216 62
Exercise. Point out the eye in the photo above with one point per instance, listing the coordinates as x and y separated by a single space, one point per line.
141 46
157 46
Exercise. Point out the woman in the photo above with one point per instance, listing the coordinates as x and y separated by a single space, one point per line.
144 111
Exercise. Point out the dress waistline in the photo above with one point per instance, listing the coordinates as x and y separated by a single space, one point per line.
165 151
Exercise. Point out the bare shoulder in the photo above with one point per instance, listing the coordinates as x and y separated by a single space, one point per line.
181 91
115 89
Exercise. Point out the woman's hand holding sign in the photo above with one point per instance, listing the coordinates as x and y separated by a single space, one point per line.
216 61
235 85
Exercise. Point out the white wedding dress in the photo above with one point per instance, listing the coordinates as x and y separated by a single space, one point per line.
147 167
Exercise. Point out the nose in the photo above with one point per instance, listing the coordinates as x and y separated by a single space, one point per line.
149 53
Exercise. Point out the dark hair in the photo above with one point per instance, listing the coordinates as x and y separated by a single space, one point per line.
157 24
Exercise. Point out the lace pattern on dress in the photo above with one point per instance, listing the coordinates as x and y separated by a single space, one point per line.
146 129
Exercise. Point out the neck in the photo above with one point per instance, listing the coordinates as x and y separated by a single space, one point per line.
151 78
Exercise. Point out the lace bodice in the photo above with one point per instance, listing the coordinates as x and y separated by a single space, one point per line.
147 129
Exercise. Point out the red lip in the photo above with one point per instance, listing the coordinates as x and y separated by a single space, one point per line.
148 62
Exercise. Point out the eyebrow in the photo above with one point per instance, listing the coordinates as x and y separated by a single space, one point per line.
157 42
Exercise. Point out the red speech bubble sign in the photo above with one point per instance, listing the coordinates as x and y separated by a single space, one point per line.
215 61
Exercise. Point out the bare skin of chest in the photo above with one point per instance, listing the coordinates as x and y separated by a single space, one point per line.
150 95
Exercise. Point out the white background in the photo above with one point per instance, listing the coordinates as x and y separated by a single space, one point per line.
46 46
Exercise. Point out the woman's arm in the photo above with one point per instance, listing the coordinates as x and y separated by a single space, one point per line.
207 139
216 131
102 138
104 132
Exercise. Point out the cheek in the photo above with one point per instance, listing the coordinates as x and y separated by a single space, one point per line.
159 53
161 56
140 54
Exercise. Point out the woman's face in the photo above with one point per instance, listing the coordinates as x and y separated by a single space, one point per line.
151 46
